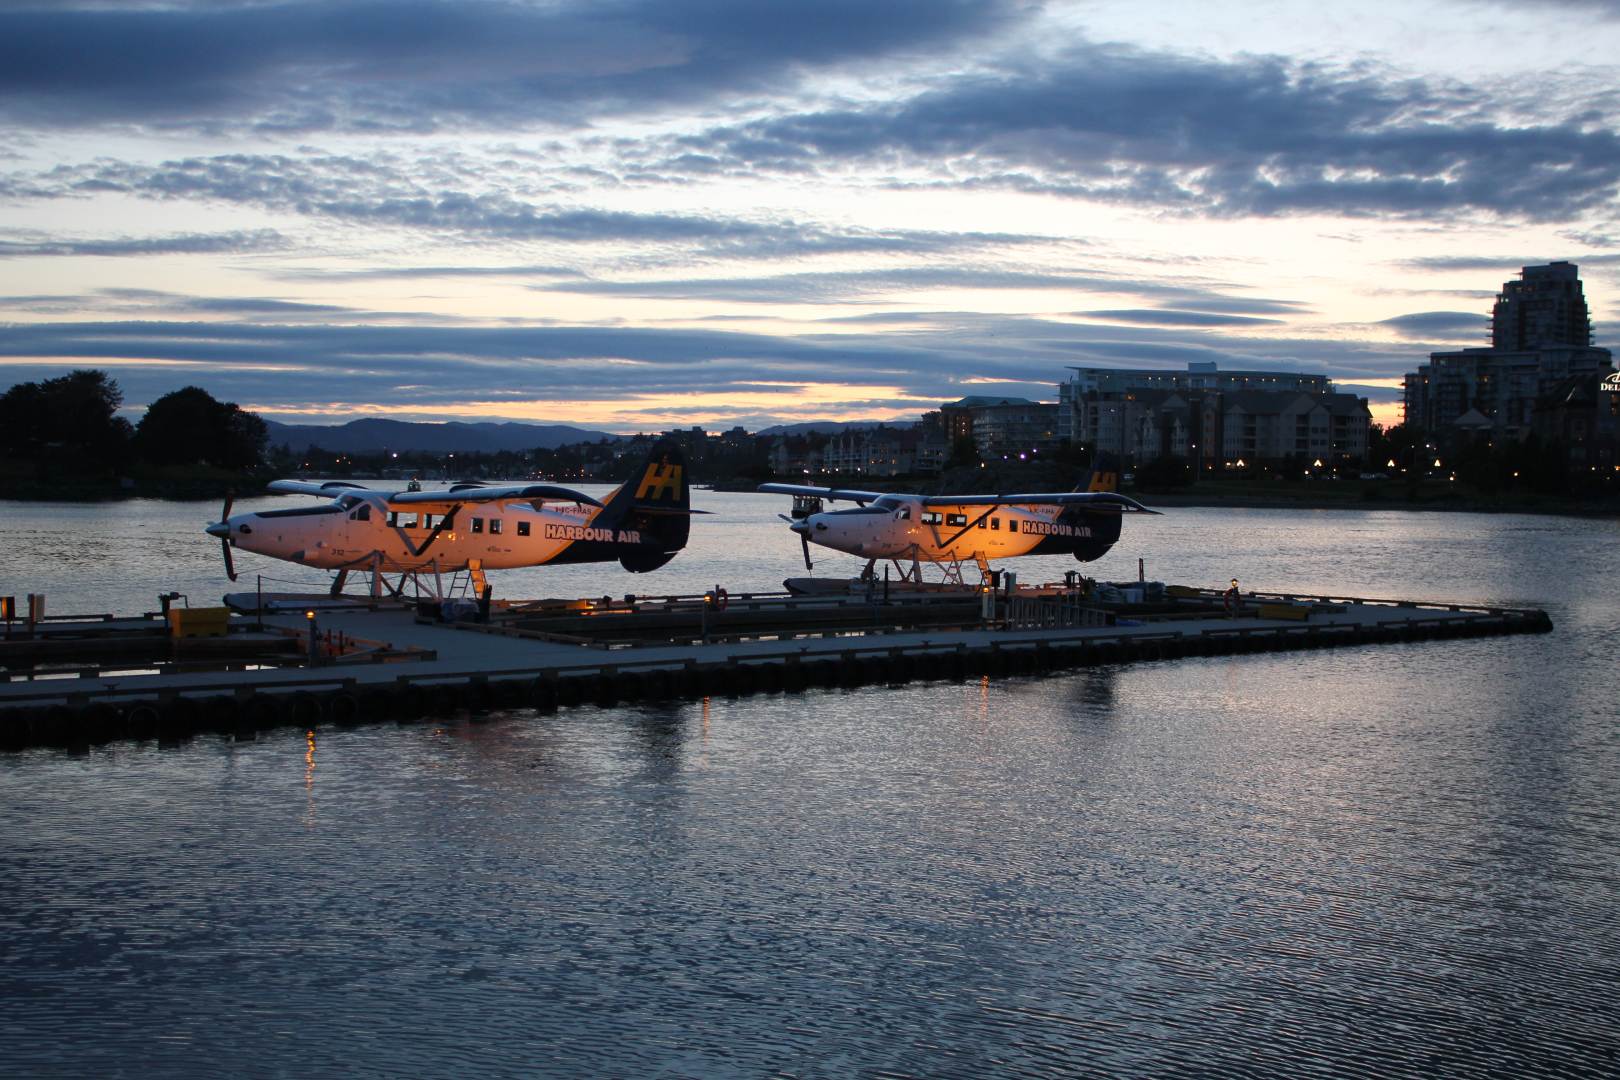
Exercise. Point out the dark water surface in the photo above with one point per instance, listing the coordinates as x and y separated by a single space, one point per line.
1385 861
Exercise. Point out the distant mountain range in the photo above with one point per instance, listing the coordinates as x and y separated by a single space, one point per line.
375 435
831 427
372 436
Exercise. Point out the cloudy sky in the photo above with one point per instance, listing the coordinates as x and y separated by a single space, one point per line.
634 214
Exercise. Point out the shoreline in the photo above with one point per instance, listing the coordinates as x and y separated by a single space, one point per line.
1460 503
1463 504
1194 497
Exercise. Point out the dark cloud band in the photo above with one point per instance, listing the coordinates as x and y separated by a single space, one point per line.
421 368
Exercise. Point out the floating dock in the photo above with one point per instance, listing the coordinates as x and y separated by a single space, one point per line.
306 661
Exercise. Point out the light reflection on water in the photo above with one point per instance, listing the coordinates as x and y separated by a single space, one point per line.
1395 860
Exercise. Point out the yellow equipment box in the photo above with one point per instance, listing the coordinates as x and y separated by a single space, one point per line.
198 621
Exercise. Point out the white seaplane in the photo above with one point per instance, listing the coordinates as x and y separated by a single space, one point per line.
949 530
469 527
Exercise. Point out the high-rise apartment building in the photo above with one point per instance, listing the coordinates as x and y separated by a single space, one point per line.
1541 334
1546 306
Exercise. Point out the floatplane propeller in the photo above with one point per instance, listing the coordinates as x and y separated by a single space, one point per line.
222 529
800 526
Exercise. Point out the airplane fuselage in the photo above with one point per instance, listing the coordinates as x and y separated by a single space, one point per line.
356 531
896 527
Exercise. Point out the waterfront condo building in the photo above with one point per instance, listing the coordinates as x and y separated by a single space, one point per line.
1003 427
1212 418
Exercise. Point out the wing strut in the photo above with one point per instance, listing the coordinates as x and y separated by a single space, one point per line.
448 519
965 529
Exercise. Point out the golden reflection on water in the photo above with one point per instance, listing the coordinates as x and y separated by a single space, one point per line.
309 779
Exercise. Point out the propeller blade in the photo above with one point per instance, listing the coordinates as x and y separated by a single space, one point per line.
804 539
225 541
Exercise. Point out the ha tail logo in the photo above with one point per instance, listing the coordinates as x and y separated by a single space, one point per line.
1612 383
661 481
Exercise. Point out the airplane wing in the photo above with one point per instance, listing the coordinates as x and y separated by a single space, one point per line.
483 493
844 494
1056 498
329 488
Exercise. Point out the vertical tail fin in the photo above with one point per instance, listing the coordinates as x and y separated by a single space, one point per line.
1098 526
1104 474
655 502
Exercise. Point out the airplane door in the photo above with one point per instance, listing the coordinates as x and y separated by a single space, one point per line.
354 535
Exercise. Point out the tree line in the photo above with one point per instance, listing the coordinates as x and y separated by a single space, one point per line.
67 430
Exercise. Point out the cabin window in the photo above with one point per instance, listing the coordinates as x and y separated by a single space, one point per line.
930 517
494 526
995 523
956 521
362 514
982 524
905 515
523 528
393 519
477 525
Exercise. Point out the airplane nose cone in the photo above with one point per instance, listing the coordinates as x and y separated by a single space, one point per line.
800 526
220 529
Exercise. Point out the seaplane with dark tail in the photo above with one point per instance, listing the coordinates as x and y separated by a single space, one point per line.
468 527
949 530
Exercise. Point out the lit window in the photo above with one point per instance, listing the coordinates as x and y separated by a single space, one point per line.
477 525
494 525
523 528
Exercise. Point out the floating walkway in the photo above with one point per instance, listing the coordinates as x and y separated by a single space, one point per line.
305 661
